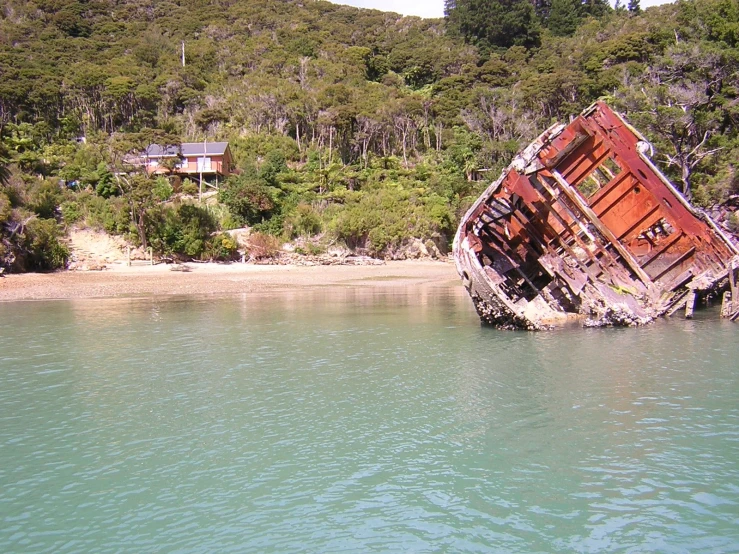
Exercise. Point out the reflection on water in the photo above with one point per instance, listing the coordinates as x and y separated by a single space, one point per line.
360 420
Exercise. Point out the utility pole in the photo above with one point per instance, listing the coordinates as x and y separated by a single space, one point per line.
201 164
183 53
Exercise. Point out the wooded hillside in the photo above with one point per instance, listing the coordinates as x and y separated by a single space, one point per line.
348 125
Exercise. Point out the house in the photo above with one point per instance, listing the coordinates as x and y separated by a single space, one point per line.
205 161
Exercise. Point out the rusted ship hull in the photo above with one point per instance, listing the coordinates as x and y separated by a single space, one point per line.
583 227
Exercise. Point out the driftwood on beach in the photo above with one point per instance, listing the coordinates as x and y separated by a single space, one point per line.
583 227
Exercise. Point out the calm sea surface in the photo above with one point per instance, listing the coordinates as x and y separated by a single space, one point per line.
360 421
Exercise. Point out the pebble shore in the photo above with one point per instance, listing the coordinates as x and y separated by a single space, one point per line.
118 280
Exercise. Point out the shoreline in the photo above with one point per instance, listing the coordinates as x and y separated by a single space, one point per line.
119 281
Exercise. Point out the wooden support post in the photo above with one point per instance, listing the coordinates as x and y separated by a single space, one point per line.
128 256
732 310
726 303
690 305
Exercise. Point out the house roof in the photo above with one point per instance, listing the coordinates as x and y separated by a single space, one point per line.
186 149
157 151
200 148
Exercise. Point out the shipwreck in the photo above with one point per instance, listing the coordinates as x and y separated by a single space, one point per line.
582 227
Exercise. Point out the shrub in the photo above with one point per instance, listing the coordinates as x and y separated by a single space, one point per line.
228 222
188 187
104 181
43 249
222 247
44 199
385 217
272 226
248 198
162 189
15 190
71 211
109 215
302 221
734 222
183 232
315 249
5 207
252 147
260 246
221 216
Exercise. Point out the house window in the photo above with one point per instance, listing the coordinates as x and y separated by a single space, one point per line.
204 164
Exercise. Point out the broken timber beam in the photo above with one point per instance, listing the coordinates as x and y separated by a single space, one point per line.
730 303
690 305
726 305
605 231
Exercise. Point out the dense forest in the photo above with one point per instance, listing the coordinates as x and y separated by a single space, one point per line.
348 126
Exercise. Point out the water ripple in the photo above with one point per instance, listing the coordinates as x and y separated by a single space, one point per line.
345 423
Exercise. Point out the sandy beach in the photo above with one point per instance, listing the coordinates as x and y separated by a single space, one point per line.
118 280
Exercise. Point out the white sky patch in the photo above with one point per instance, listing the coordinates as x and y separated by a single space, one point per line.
431 8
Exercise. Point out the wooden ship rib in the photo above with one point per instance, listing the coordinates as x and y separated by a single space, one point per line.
583 227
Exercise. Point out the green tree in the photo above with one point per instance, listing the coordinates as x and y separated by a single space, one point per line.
683 105
183 232
105 186
564 17
494 23
248 198
273 166
138 192
357 102
71 22
136 187
4 165
595 8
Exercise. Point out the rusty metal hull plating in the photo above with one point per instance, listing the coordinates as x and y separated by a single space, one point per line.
582 226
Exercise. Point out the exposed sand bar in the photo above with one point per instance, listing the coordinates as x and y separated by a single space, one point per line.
196 278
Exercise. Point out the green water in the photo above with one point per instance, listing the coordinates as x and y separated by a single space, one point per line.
360 421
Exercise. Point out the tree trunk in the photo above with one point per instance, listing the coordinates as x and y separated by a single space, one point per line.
685 178
331 131
141 228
